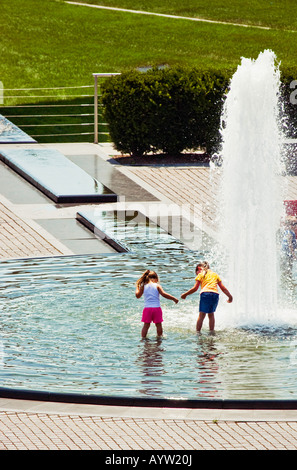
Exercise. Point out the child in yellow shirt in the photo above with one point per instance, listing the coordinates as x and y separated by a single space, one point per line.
209 295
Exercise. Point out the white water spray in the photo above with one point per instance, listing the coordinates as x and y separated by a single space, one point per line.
251 197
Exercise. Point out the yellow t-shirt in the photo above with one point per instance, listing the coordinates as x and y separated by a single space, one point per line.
209 282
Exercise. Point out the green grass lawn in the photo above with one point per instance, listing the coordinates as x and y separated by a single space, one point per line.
54 44
277 14
51 43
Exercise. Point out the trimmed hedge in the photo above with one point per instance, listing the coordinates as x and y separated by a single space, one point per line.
164 110
171 110
289 109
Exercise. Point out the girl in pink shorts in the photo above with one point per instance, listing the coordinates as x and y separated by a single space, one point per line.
148 286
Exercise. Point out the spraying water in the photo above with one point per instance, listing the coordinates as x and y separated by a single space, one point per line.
252 201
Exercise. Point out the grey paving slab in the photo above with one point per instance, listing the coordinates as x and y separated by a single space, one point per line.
88 246
66 229
56 175
75 236
112 177
17 190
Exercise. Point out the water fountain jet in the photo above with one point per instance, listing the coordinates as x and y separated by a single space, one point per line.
251 193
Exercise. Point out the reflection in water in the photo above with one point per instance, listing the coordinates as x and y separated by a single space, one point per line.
208 366
150 360
158 357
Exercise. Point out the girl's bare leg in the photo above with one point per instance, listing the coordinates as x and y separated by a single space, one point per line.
159 329
200 321
145 329
211 319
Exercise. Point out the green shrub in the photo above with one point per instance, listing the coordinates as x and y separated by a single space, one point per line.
289 100
164 110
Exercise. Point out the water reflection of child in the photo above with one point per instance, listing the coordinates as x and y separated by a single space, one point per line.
148 286
209 296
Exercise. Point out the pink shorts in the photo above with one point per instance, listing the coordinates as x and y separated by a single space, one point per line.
150 314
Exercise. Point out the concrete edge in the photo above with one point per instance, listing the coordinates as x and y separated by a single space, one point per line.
8 405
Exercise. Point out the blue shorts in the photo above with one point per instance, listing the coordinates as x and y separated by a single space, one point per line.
208 302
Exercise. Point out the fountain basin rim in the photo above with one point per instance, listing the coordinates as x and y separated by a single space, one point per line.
76 398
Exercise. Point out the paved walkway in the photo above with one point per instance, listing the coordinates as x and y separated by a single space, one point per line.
37 425
19 239
32 426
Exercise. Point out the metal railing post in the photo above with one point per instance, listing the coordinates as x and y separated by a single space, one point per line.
95 108
1 93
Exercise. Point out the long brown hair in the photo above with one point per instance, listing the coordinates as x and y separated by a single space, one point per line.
146 277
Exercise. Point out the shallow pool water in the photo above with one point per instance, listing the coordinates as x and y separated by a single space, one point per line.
72 324
10 133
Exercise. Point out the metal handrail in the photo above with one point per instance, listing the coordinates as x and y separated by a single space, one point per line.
95 105
17 93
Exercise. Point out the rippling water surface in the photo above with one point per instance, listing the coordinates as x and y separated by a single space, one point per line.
73 324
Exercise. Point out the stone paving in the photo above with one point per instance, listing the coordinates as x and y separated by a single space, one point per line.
106 429
76 430
18 239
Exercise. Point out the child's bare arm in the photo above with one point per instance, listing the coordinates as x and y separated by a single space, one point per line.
226 292
166 295
192 290
139 292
